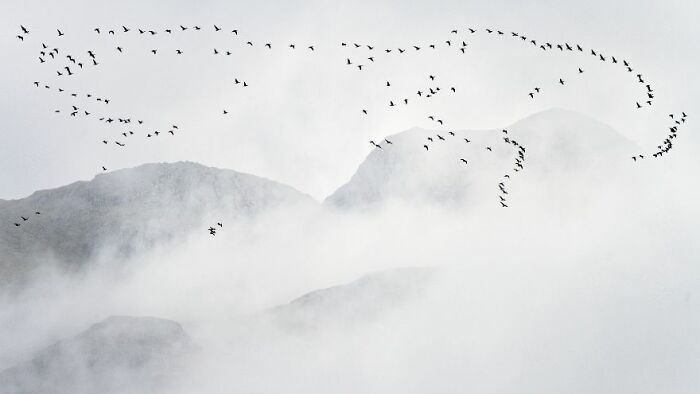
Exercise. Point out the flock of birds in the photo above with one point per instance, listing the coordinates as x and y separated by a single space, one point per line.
25 219
66 65
212 229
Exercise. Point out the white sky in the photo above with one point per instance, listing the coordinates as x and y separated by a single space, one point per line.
299 122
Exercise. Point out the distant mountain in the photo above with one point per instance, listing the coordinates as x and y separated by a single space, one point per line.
121 212
351 304
120 354
556 141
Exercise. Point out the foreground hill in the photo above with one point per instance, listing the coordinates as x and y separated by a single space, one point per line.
120 354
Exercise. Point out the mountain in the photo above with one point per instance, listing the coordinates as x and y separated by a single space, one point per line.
556 142
359 301
120 354
119 213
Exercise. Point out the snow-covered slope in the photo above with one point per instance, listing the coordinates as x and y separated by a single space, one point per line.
556 141
120 354
120 213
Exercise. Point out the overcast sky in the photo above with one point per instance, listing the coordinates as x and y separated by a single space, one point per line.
300 120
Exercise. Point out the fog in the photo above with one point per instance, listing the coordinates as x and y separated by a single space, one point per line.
597 293
586 283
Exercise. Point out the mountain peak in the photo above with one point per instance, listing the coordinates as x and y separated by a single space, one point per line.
131 209
556 140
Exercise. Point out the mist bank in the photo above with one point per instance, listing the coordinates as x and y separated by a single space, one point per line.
587 282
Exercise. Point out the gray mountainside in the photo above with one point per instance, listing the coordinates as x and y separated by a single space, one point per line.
119 213
121 354
144 354
557 142
366 298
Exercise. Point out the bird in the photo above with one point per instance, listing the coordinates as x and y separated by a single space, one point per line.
464 160
104 168
364 111
212 231
375 144
24 219
489 149
561 81
426 147
580 71
504 205
24 29
388 142
60 33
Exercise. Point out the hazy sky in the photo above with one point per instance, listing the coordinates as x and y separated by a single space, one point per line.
299 121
